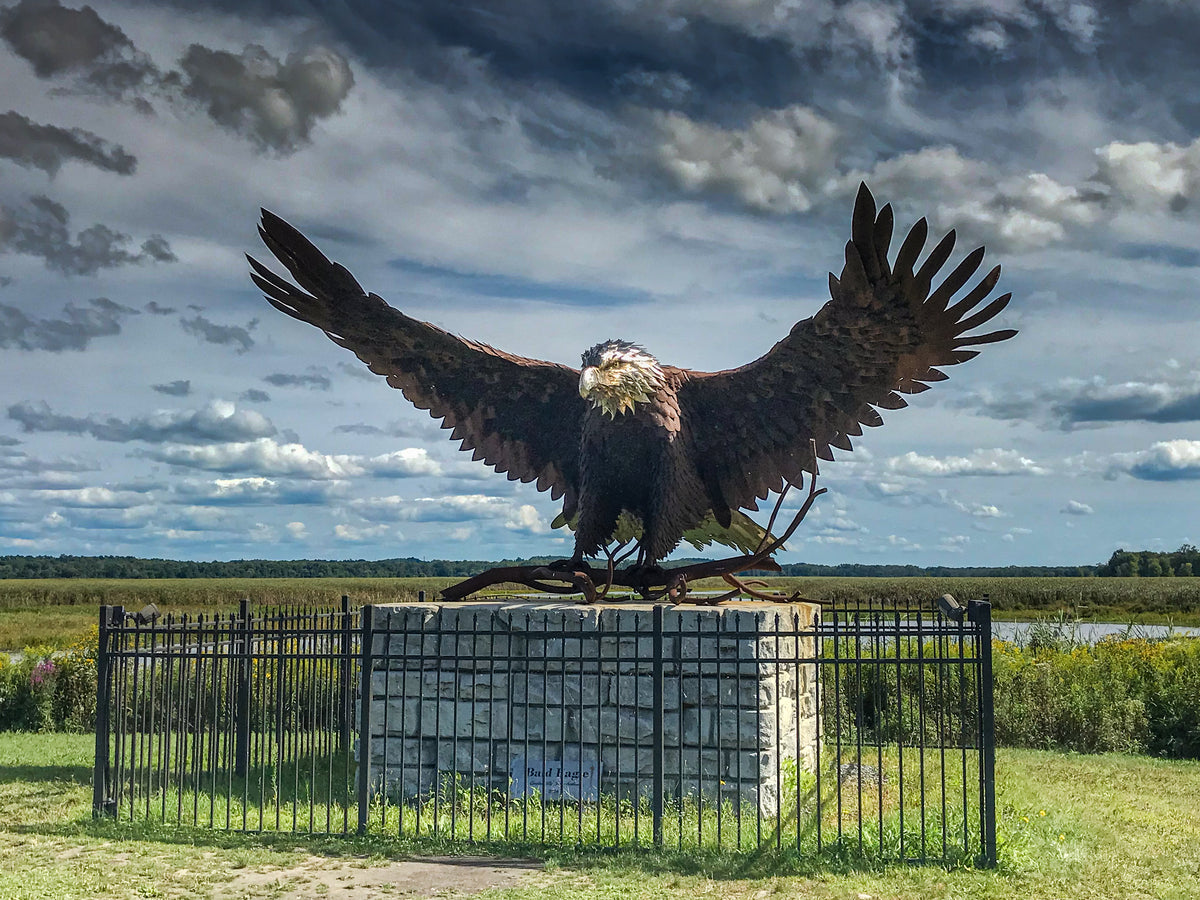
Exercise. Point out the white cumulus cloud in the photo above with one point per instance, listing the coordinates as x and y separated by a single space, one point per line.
995 461
457 508
777 163
268 457
1177 460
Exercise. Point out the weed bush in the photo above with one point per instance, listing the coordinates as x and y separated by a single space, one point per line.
1135 696
1051 692
49 690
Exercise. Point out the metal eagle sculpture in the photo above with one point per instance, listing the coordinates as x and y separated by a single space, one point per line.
636 447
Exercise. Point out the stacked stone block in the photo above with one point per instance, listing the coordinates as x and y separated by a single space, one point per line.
462 690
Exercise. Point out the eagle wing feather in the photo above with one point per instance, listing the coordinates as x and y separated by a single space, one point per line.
521 416
885 332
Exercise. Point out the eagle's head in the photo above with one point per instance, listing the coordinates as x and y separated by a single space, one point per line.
617 375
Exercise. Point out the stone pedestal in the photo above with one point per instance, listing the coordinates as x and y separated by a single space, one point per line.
576 701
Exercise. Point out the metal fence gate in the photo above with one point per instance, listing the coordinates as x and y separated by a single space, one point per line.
867 732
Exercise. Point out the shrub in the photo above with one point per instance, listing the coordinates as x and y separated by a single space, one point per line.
47 690
1051 692
1134 696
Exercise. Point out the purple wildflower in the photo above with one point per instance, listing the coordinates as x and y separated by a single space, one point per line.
43 671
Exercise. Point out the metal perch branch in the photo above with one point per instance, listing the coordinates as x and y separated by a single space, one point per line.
652 584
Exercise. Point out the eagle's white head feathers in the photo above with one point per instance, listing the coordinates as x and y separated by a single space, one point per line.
617 375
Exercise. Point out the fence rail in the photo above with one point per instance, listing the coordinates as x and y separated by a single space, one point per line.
865 731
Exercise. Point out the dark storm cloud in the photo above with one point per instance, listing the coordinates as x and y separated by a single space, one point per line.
174 388
1133 403
708 58
74 330
59 41
42 228
714 59
273 102
227 335
47 147
254 395
216 422
725 63
1092 403
156 308
55 39
313 380
733 101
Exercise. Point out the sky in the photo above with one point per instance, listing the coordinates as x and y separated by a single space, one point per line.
544 175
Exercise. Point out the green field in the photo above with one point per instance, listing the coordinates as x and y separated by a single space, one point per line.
1115 827
57 612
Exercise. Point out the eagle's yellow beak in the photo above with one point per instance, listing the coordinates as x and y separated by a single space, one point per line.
588 379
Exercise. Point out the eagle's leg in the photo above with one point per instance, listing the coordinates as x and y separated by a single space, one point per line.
647 580
597 521
570 564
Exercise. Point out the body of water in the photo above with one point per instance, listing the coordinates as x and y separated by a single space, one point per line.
1091 632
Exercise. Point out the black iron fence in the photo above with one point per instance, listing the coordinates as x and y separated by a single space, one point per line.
862 731
241 721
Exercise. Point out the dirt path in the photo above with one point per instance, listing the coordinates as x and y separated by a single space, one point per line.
322 877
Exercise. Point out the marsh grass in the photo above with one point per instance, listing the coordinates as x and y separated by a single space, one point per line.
58 611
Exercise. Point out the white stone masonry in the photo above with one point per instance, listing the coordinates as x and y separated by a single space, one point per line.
465 689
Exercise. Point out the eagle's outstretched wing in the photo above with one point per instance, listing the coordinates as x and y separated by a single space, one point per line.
883 334
520 416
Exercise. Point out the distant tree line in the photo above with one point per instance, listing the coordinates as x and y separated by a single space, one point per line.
859 570
1181 563
135 567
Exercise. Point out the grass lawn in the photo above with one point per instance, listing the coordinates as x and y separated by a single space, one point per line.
1071 826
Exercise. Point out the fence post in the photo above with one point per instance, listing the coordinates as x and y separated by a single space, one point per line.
100 769
241 758
980 612
364 717
345 712
656 796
